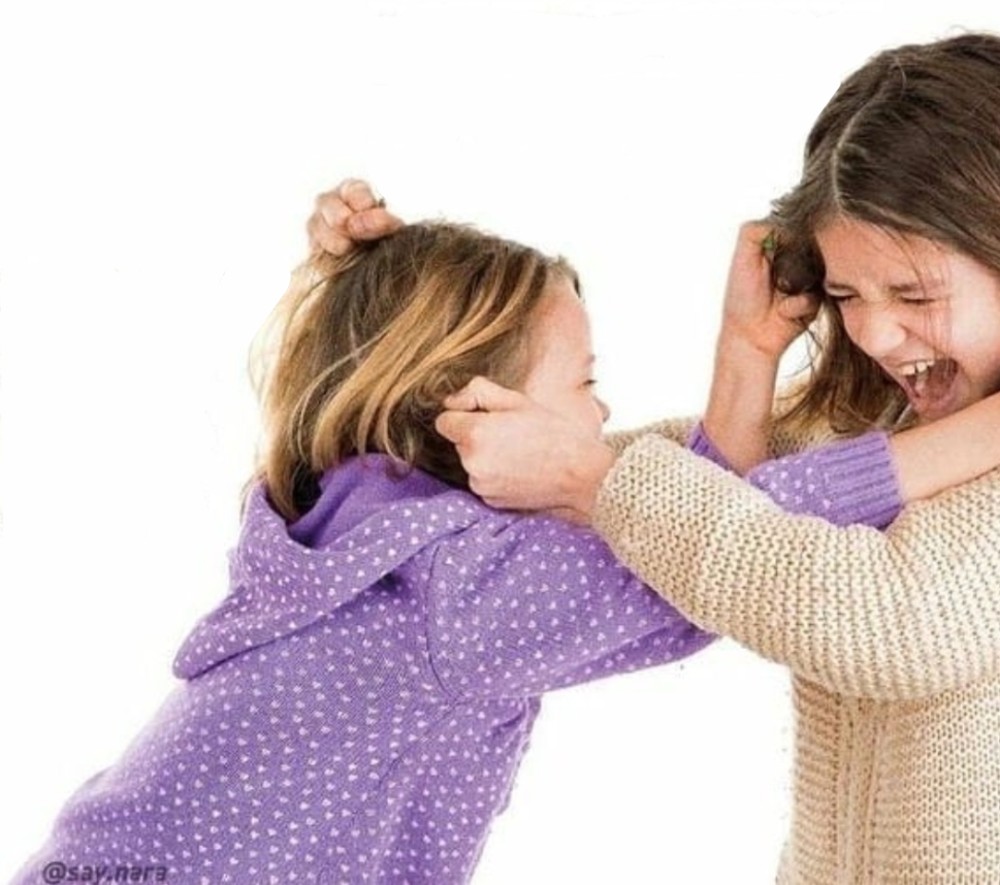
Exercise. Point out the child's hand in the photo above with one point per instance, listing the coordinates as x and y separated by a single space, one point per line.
348 214
753 313
758 324
521 456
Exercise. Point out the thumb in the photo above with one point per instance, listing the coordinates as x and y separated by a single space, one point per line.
455 426
483 395
752 246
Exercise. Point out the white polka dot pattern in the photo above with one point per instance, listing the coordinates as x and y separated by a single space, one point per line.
356 709
847 482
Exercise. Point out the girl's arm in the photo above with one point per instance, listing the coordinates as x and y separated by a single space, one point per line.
847 481
907 614
928 459
888 617
523 605
545 605
949 451
758 326
676 429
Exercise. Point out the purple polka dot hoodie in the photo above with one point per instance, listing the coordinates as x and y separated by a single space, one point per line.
356 708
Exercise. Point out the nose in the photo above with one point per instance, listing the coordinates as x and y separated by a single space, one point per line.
875 328
605 409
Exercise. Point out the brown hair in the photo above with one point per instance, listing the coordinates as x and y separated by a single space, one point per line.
360 352
911 143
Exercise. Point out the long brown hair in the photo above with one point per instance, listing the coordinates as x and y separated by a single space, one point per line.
360 352
911 143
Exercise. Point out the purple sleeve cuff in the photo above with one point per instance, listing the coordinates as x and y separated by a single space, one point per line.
847 482
700 444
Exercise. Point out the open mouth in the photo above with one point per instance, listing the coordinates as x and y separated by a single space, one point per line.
928 381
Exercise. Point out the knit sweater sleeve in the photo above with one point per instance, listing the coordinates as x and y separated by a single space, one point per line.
680 431
676 429
523 605
902 615
847 481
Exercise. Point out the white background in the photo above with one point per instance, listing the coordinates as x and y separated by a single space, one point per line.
157 164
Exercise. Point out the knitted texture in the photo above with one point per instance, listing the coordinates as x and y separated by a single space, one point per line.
893 639
847 482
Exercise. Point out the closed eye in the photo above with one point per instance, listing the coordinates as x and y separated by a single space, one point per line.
840 297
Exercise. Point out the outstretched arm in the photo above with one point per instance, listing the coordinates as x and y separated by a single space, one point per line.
907 614
676 429
520 456
523 605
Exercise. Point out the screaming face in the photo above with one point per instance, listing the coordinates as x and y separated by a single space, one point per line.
927 314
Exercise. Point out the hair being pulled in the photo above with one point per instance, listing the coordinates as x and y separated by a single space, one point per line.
909 143
361 351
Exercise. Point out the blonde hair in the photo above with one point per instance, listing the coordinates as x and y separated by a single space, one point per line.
360 352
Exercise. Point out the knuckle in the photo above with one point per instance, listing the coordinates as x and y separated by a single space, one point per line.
338 246
345 185
357 194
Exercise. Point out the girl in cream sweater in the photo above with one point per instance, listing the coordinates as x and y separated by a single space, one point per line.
893 639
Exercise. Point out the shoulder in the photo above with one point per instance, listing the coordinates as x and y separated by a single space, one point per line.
488 540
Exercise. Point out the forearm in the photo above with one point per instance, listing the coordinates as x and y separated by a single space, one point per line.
905 615
541 605
927 459
676 429
741 400
949 451
583 474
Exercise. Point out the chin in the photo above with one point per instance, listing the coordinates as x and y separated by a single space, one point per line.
936 411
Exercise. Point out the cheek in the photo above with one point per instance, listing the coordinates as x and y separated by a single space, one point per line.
851 321
596 412
936 325
989 367
975 346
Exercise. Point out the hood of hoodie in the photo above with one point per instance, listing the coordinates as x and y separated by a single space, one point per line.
285 576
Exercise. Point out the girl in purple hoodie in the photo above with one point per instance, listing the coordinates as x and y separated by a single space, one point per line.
355 709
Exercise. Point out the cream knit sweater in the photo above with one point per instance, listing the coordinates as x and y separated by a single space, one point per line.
893 640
